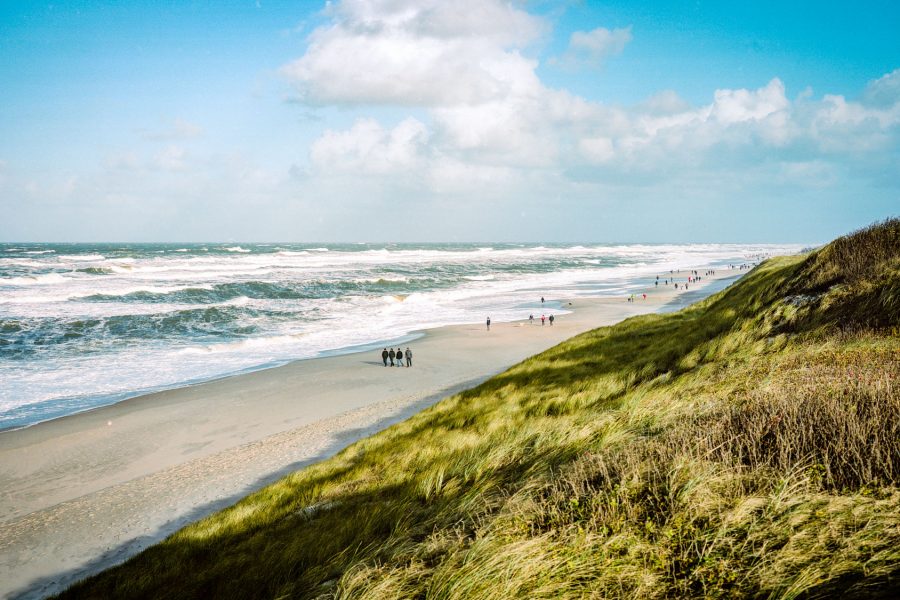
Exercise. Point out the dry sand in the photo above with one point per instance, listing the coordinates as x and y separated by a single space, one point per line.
82 493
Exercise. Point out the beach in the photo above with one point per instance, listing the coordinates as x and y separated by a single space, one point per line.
86 491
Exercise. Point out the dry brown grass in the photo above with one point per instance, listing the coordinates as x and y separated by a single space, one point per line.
855 256
838 417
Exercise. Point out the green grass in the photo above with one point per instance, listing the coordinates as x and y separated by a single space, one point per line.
748 446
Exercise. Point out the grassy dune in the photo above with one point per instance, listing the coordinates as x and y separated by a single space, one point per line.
746 446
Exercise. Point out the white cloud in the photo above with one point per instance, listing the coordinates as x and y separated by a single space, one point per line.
489 112
417 53
367 147
736 106
553 131
598 149
884 92
499 23
595 46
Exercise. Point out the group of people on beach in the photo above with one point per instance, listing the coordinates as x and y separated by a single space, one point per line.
693 277
395 358
544 318
399 355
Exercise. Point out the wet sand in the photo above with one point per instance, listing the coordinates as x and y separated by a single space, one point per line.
85 492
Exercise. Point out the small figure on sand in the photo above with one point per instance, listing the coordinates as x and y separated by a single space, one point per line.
399 357
408 357
542 320
542 299
531 319
488 323
384 356
551 319
391 356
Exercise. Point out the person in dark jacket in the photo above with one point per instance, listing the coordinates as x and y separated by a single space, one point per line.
399 357
384 356
408 357
391 356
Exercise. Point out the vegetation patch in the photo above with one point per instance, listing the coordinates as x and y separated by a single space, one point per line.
748 446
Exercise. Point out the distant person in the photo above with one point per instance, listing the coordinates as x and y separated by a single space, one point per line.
391 356
645 296
657 283
542 299
408 357
488 323
542 320
531 319
384 356
399 357
551 319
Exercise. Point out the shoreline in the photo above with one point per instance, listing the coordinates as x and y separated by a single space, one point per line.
128 396
86 491
406 338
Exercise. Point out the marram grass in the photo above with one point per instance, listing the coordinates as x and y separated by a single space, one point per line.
748 446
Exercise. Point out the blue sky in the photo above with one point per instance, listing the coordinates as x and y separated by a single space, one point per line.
423 120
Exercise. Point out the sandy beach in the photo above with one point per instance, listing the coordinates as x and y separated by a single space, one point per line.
81 493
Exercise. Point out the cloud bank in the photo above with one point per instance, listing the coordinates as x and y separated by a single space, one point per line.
488 111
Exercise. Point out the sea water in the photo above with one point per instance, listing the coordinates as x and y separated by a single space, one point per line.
82 325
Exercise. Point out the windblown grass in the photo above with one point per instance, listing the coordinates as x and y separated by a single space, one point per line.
748 446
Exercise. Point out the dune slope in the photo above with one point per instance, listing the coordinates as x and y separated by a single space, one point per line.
748 446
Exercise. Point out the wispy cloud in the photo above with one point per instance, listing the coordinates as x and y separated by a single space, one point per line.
179 129
593 48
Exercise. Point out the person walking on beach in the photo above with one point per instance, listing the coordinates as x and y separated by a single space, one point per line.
391 355
531 319
408 357
384 356
542 320
542 299
399 357
488 323
551 319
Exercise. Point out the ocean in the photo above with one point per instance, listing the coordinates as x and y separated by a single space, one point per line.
83 325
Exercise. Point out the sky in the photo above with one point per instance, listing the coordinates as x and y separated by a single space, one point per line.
427 120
